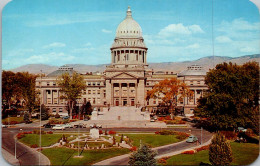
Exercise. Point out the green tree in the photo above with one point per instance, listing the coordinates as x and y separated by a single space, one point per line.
220 152
232 98
71 88
44 112
170 91
26 117
144 156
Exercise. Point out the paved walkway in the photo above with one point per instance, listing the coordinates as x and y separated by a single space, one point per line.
9 158
25 154
163 151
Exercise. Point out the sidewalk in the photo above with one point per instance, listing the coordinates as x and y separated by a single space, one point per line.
9 158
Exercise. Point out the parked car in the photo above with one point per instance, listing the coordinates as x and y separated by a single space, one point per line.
48 125
79 126
65 117
58 127
186 119
28 121
192 138
152 120
67 125
241 129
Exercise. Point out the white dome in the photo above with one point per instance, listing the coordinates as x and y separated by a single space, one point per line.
129 28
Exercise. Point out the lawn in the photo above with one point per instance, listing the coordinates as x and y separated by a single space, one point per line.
47 139
64 156
153 140
243 154
10 119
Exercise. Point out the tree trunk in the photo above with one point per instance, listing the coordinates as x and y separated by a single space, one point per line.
71 103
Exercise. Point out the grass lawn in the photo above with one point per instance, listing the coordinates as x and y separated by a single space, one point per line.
91 144
153 140
243 154
47 139
18 119
62 156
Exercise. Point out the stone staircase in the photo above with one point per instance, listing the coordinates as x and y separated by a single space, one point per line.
123 114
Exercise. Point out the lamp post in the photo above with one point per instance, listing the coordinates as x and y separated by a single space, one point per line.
201 129
78 126
40 140
15 139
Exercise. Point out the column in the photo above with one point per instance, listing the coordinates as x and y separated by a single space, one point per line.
128 101
58 98
112 95
120 94
136 100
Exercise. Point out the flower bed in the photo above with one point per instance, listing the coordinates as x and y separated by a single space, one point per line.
188 152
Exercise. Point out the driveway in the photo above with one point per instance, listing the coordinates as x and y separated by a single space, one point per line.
164 150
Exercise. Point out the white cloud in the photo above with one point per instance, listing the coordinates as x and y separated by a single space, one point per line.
247 50
54 45
106 31
87 44
239 24
223 39
193 46
60 58
179 29
82 50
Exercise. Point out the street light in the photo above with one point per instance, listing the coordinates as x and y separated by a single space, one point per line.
78 125
40 140
15 139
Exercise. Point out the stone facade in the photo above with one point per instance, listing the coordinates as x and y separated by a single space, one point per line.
126 80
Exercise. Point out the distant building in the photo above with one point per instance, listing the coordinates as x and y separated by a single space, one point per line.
126 80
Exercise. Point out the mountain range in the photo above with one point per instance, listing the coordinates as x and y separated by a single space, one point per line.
206 62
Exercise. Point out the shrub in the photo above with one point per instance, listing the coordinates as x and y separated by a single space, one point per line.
162 161
57 115
188 152
100 132
220 152
73 120
111 132
157 132
38 132
202 148
49 132
166 132
20 135
105 132
13 122
230 135
181 135
65 121
134 148
34 146
249 132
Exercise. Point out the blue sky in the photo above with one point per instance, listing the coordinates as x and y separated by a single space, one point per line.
82 31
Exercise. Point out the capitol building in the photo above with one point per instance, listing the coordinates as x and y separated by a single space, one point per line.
120 91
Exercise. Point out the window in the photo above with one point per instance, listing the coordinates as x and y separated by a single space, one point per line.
98 83
89 83
94 84
54 83
89 92
55 101
94 101
84 92
132 91
48 92
60 109
198 82
94 92
154 101
147 103
54 110
48 84
48 100
191 82
98 91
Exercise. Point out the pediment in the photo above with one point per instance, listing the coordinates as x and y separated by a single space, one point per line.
124 75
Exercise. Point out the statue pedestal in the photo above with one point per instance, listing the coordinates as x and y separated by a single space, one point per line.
94 115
